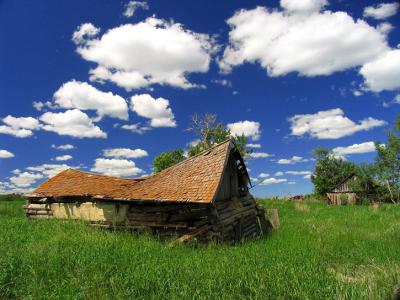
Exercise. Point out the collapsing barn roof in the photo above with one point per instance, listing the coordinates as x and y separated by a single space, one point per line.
205 197
196 179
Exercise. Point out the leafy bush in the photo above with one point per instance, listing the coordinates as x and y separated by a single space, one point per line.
329 171
167 159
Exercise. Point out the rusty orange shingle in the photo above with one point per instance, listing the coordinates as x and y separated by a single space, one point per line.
194 180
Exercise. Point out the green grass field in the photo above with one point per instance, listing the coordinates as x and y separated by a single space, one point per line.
319 252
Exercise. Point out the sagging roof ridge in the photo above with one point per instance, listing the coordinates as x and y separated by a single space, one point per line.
103 175
194 156
151 175
156 187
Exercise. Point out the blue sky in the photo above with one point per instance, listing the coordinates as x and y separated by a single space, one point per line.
105 86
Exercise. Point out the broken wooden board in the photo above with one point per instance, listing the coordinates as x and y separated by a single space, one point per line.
190 236
273 217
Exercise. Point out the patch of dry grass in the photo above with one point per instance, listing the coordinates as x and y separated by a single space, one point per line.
303 207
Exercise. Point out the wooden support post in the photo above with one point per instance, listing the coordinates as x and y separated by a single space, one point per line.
273 216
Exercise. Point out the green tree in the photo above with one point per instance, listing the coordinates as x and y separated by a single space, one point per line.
211 133
167 159
240 143
367 188
329 171
387 162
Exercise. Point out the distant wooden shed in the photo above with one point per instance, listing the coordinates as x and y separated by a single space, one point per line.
205 197
344 192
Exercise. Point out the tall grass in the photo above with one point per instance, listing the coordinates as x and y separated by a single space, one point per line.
319 252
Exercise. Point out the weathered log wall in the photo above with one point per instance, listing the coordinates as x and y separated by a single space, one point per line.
91 211
342 198
39 210
227 221
239 218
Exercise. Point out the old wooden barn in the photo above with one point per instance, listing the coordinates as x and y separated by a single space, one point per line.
344 192
204 197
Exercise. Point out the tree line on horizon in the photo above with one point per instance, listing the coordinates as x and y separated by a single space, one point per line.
377 181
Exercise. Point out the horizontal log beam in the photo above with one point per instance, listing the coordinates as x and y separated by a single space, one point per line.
36 206
39 212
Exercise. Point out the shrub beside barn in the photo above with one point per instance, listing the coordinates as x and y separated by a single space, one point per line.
204 197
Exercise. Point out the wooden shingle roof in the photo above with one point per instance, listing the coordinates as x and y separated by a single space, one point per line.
195 179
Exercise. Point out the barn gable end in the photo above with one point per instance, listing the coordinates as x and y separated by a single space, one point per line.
235 179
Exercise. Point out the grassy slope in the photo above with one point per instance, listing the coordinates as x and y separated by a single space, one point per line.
319 252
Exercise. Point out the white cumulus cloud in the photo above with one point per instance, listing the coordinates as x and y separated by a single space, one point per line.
48 170
249 129
63 147
259 155
305 173
6 154
21 122
381 11
223 82
84 33
273 180
132 6
330 124
25 179
20 127
116 167
263 175
157 110
303 6
63 157
39 105
293 160
81 95
253 145
354 149
153 51
125 152
385 27
300 39
136 128
383 73
73 123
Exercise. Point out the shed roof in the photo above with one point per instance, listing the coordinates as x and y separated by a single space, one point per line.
195 179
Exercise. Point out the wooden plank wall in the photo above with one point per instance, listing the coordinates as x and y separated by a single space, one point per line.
342 198
226 221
